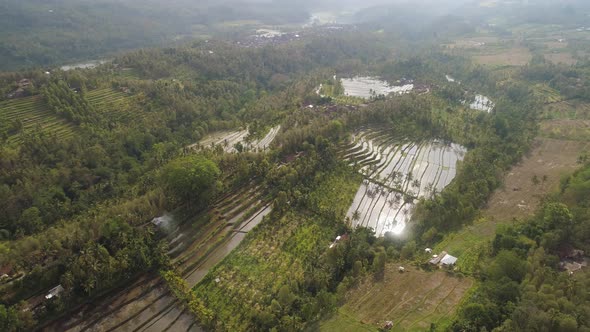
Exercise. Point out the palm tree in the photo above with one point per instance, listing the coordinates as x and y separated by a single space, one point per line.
356 215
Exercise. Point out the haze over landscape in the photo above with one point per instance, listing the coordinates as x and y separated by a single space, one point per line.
280 165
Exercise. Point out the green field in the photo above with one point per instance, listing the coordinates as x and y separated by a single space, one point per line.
546 93
414 301
343 321
117 105
34 114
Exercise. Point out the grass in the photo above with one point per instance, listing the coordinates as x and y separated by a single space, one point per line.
470 244
562 57
510 56
343 321
567 110
576 130
516 201
412 301
129 73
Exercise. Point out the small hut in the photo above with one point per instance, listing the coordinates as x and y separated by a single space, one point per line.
54 292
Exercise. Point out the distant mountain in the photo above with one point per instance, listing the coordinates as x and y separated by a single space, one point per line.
48 32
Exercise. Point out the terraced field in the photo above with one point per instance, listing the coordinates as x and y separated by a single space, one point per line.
129 73
547 94
116 104
397 172
196 246
365 87
228 140
411 300
482 103
34 114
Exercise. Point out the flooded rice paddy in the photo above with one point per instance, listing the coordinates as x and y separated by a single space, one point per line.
147 305
367 87
482 103
229 139
84 65
397 172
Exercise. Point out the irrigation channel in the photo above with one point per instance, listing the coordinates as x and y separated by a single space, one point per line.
195 249
397 172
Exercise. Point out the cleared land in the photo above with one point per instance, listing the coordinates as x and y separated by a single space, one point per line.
520 196
515 56
567 129
563 58
472 42
568 120
411 300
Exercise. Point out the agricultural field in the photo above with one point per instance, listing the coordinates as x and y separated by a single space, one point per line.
367 87
490 50
412 300
34 115
567 120
512 56
276 254
519 198
397 172
545 93
473 42
565 58
230 140
196 245
117 105
482 103
567 110
566 129
129 73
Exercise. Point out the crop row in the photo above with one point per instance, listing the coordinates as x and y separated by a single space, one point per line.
116 104
196 245
33 113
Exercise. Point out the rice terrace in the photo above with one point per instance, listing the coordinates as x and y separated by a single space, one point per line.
288 166
398 172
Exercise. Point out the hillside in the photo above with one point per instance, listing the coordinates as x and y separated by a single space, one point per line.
332 177
48 33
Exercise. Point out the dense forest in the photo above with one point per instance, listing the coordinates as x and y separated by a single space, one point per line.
45 33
